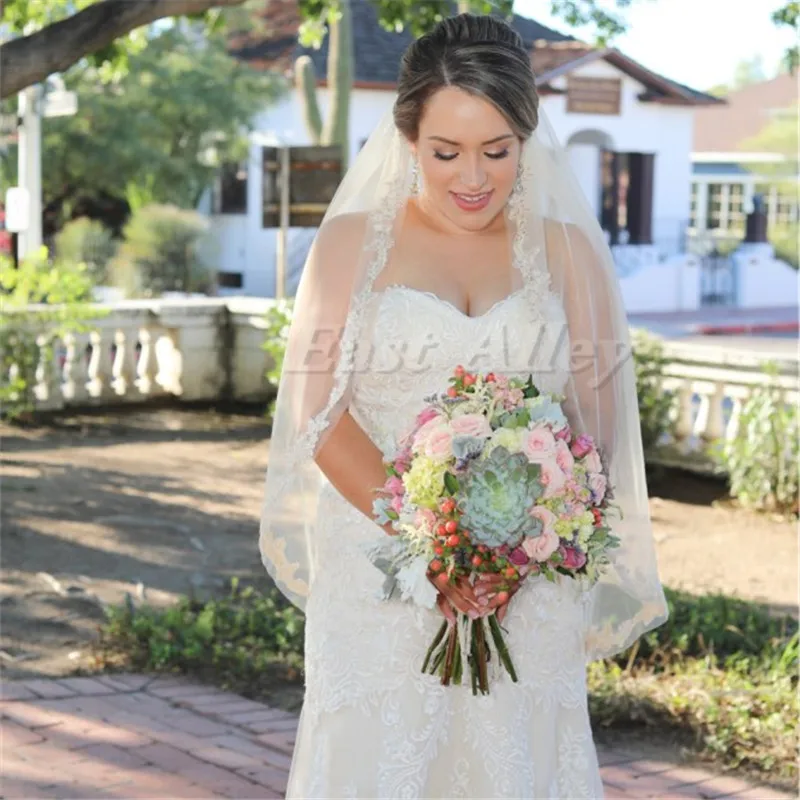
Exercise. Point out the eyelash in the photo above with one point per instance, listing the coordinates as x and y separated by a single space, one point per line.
493 156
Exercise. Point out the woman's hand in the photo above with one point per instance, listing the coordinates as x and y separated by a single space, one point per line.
459 595
494 592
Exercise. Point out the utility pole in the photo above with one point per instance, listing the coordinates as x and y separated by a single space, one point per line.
35 103
29 160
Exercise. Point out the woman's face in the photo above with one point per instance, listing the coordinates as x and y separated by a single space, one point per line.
468 157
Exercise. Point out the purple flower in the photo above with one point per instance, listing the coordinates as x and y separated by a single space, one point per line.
518 557
582 445
572 558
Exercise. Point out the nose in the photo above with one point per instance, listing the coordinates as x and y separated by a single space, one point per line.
472 175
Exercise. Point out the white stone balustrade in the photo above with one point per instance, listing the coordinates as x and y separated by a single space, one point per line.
711 382
211 349
191 350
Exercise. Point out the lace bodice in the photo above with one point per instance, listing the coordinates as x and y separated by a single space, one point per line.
420 338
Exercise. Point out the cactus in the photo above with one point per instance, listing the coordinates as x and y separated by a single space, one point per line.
340 83
305 78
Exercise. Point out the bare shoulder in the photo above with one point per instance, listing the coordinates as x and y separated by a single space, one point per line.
344 230
334 255
566 238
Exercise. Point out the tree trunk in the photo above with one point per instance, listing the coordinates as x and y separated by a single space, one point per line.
55 48
340 80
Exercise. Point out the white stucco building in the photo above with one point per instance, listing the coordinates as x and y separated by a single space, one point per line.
628 130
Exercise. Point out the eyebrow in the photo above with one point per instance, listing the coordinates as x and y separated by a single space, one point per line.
457 144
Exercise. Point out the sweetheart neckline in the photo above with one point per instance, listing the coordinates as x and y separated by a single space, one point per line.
425 293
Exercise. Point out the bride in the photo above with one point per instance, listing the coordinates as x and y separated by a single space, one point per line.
459 236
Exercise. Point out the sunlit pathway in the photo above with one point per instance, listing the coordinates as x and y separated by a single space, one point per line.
130 736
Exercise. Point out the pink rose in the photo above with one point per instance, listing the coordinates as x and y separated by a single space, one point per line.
598 486
540 548
592 462
564 433
545 516
439 445
435 439
538 445
397 503
518 556
552 478
573 558
395 485
471 425
582 445
426 415
564 458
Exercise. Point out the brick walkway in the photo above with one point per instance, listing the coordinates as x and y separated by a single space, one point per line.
128 736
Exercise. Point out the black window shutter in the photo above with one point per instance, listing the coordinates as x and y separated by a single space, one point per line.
640 198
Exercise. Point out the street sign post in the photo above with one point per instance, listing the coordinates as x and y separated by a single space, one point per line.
34 103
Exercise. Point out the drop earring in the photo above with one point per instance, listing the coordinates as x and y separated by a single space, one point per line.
415 177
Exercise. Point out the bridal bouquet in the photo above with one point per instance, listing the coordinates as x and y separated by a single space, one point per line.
490 480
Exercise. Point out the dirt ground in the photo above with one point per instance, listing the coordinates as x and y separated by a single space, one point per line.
152 505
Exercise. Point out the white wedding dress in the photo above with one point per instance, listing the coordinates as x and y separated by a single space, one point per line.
374 726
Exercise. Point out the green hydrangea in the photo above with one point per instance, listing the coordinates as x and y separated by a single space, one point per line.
564 527
507 438
497 495
424 482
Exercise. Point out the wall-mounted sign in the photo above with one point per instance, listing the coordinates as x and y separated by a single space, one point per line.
299 184
307 177
593 95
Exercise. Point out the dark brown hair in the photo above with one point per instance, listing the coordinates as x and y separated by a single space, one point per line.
481 55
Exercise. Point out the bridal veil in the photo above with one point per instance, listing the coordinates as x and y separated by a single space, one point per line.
558 247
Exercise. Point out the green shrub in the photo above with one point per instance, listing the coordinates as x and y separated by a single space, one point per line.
161 252
278 319
740 714
62 293
762 459
655 405
784 238
722 671
710 625
241 641
86 241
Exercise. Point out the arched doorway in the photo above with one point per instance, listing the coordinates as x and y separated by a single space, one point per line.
585 149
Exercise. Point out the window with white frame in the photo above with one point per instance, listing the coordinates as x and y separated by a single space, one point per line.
714 206
736 215
693 210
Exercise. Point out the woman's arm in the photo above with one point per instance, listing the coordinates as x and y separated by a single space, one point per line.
353 464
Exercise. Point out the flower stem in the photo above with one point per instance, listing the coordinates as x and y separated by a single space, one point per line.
480 639
448 659
438 638
502 650
457 665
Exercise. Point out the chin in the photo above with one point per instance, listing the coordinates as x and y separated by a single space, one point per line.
475 220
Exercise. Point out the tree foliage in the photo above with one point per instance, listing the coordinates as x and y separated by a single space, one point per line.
51 36
156 134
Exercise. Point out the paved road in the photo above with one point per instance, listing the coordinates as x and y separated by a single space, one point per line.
131 736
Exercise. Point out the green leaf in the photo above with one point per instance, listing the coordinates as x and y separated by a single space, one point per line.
451 483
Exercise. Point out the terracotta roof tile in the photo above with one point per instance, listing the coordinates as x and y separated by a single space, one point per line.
723 129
